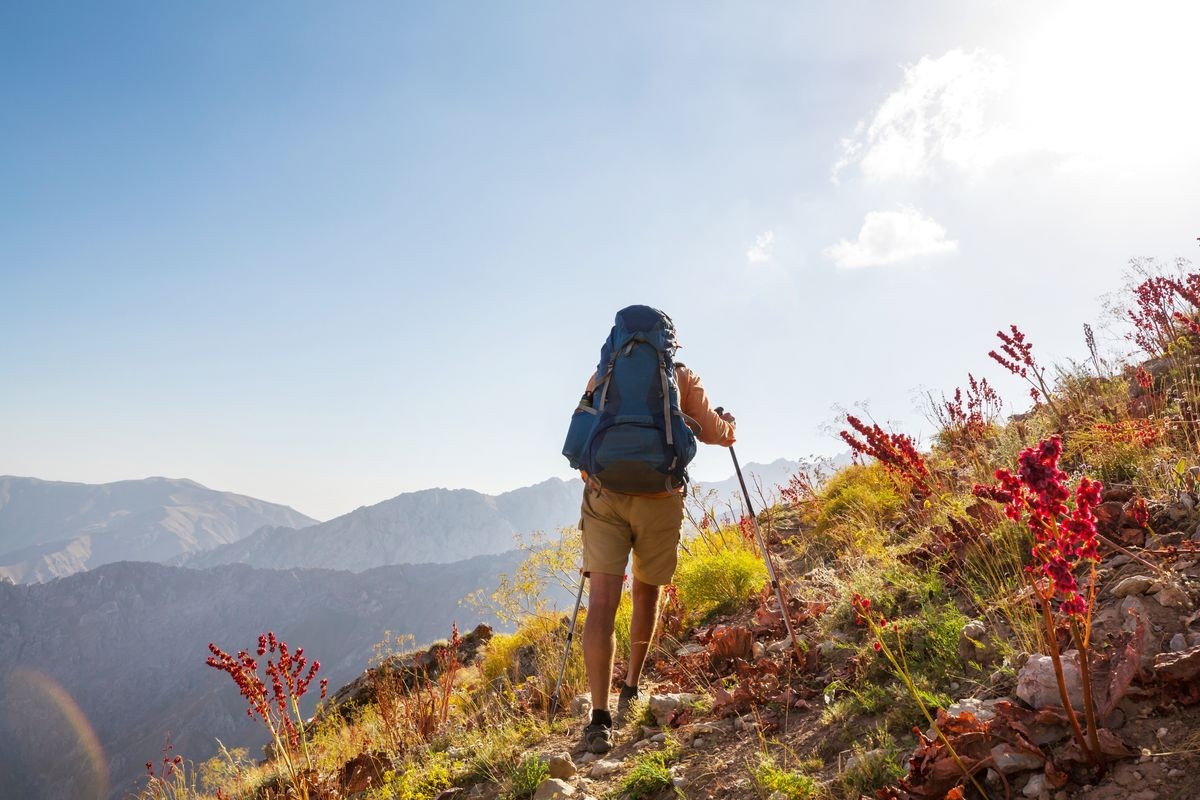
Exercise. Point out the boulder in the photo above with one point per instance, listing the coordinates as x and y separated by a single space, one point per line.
663 706
1179 667
553 789
1134 584
561 766
1037 684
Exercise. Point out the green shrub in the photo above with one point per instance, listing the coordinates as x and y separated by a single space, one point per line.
717 572
863 495
525 776
418 780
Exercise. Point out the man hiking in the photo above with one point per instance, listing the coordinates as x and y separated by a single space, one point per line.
632 437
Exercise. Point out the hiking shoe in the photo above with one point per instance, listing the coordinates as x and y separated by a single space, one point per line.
597 738
628 695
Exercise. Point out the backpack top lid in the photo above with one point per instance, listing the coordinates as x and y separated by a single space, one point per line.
642 323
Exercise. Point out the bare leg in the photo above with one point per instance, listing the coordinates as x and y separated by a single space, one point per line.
599 643
641 627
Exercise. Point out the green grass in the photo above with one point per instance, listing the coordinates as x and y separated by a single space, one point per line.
769 777
649 774
524 778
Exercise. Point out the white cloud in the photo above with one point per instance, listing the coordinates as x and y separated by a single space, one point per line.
889 237
761 253
936 116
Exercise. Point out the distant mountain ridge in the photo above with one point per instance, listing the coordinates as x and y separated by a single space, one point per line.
434 525
50 529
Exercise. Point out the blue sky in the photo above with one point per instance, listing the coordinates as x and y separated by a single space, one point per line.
323 254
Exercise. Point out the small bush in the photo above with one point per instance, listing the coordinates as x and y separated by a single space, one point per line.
524 778
717 572
862 494
418 781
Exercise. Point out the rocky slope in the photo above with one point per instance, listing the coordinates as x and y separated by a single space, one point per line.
127 643
49 529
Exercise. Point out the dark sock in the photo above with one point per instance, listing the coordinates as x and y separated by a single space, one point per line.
629 692
601 717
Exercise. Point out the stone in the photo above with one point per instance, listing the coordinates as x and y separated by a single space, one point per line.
855 760
1009 760
1179 643
1134 584
553 789
1172 597
777 795
561 766
662 706
605 767
1037 684
982 710
758 650
1181 667
690 649
581 706
974 645
782 646
588 758
1035 786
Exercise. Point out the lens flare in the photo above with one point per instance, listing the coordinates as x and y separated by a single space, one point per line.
32 698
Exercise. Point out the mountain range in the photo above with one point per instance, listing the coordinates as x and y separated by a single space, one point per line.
433 526
50 529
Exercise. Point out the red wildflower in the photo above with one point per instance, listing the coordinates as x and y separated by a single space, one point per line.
895 451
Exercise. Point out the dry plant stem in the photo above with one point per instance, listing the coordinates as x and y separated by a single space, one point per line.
1052 646
901 667
1089 707
1124 551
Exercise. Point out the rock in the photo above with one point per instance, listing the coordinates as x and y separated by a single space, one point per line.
856 760
782 646
758 650
561 766
1035 786
553 789
1009 760
605 767
982 710
974 645
1109 515
690 649
662 706
1134 584
1179 643
581 706
777 795
1172 597
588 758
1037 684
1181 667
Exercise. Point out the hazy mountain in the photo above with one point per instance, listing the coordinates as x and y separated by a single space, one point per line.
49 529
434 525
128 641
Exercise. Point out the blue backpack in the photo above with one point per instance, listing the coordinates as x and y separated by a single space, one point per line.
628 433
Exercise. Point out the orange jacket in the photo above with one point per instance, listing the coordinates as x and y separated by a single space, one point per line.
693 401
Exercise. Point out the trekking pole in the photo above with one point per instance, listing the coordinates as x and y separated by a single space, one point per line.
567 650
762 543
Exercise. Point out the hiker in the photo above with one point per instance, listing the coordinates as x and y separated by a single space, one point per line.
632 437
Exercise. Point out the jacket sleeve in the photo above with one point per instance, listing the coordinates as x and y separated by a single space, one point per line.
693 401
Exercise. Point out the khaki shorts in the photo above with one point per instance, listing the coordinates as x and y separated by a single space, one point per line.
614 523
